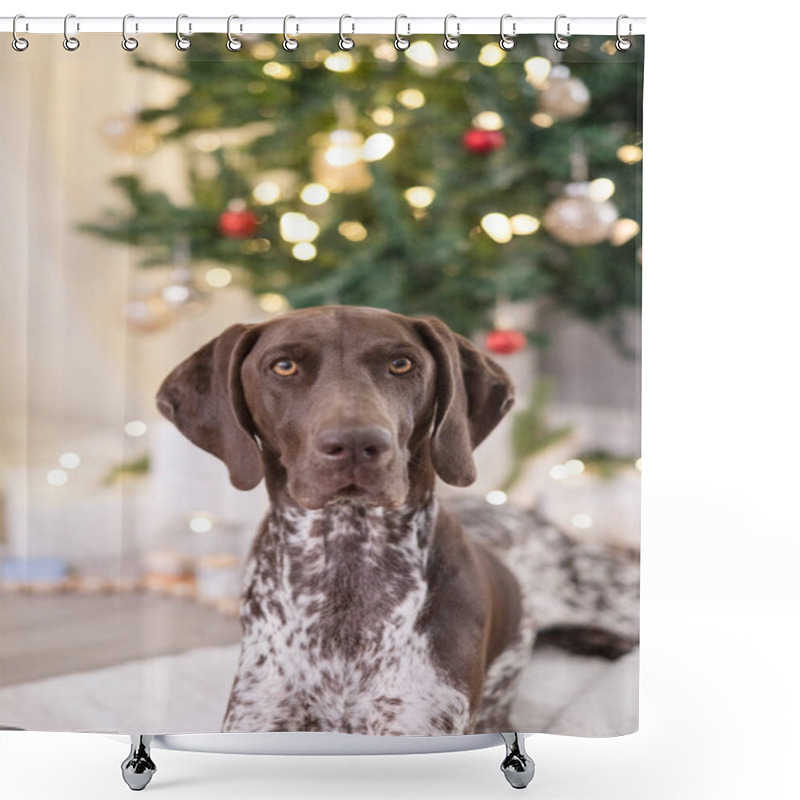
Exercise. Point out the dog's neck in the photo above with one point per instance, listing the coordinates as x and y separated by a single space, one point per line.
409 526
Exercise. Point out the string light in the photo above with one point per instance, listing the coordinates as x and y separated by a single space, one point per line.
340 62
542 120
353 230
488 121
274 69
218 277
70 460
201 523
422 53
411 98
498 226
304 251
601 189
378 146
273 303
314 194
135 428
491 55
623 230
496 497
537 70
382 115
57 477
267 192
296 227
419 196
629 154
524 224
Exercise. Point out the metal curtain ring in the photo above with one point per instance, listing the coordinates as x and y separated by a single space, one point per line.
71 43
18 43
345 42
288 42
233 44
560 42
507 42
400 42
181 42
622 43
128 42
451 42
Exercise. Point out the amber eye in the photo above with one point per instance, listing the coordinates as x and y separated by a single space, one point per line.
284 367
401 365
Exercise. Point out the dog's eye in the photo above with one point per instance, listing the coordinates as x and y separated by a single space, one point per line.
400 365
284 367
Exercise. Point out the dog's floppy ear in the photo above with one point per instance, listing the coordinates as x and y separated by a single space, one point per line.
203 397
473 394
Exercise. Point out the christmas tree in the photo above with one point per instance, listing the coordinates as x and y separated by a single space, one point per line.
424 181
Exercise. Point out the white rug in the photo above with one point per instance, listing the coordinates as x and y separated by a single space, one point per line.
188 693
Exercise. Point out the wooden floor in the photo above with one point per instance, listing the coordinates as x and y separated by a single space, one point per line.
46 635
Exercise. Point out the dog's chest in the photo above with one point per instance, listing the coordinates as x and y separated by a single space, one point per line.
330 633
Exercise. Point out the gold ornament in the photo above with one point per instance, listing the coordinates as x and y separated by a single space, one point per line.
563 96
576 219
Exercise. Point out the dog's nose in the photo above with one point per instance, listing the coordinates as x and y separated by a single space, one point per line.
353 445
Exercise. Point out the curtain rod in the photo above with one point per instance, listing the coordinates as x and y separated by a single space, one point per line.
298 25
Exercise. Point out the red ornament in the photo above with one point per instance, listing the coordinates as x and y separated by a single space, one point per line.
237 224
477 140
504 341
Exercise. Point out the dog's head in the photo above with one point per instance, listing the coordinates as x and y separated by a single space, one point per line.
339 402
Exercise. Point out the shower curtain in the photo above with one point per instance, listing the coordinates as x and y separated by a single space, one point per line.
167 210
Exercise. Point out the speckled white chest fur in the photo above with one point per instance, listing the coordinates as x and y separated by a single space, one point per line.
330 635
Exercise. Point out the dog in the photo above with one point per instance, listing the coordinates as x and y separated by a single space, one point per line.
368 606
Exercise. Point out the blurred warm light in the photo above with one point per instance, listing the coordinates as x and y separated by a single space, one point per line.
629 154
346 148
420 196
218 277
340 62
411 98
498 226
575 466
272 302
314 194
422 53
263 51
623 230
537 70
296 227
267 192
582 521
496 497
491 54
638 464
488 121
304 251
201 523
542 120
378 146
207 142
559 472
385 51
176 293
601 189
274 69
524 224
353 230
57 477
70 460
135 428
321 55
383 115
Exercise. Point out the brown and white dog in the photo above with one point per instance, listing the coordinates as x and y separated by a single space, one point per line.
367 606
